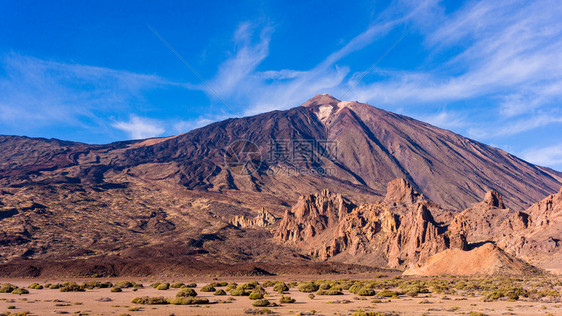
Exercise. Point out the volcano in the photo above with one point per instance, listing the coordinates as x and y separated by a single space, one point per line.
197 195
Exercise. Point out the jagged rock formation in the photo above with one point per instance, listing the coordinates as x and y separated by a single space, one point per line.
398 230
262 219
486 259
533 235
484 220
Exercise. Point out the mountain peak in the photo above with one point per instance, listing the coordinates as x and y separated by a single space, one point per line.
321 99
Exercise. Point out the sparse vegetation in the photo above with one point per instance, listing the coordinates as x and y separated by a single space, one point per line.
220 292
150 300
177 285
190 300
261 303
163 286
7 288
286 300
208 288
255 296
36 286
186 292
72 287
365 292
308 287
20 291
280 287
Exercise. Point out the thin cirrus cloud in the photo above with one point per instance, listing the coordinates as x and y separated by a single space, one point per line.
239 80
140 127
506 52
550 155
50 93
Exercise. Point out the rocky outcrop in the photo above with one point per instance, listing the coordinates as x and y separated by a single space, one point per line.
400 229
534 235
262 219
483 220
311 215
547 212
417 239
401 191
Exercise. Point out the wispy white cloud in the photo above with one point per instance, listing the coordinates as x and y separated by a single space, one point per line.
551 155
140 127
445 119
527 124
188 125
504 47
239 81
48 92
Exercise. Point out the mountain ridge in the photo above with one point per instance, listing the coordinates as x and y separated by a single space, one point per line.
215 194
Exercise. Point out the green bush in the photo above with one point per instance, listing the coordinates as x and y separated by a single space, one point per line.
149 300
239 291
186 292
261 303
259 289
177 285
311 296
124 284
231 286
387 293
72 287
116 289
163 286
55 286
155 285
286 299
221 284
267 284
329 292
365 292
208 288
325 286
363 313
36 286
190 300
280 287
7 288
255 296
20 291
308 287
219 292
250 285
192 285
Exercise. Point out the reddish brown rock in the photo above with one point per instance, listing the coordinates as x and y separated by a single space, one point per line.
485 220
400 229
262 219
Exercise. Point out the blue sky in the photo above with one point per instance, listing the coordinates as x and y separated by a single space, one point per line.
104 71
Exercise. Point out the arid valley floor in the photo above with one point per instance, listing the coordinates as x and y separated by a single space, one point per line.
390 295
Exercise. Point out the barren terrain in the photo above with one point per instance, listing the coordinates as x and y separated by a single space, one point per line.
392 296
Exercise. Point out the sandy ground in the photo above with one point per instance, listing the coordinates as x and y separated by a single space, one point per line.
53 302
